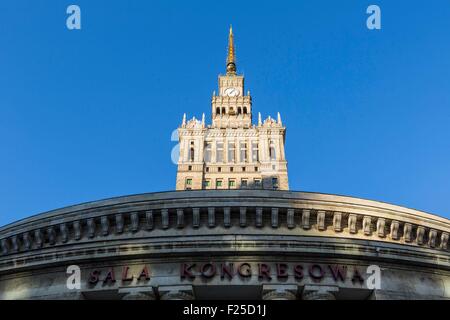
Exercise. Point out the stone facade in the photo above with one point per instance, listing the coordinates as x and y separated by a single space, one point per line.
232 153
254 244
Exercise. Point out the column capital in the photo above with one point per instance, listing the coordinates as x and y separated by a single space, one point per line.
280 292
176 292
315 292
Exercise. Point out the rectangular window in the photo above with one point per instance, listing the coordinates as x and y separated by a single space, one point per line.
244 183
243 152
207 184
189 182
231 152
218 183
275 183
219 152
192 152
272 154
208 151
255 152
231 183
257 183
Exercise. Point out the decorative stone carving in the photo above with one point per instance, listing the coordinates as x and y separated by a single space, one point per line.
337 221
104 222
352 223
290 218
227 217
420 235
279 292
180 218
395 225
165 218
211 217
305 219
312 292
91 228
381 225
196 217
444 240
259 219
321 220
51 235
26 241
64 233
432 235
367 225
15 244
274 217
407 232
243 216
149 220
77 230
119 223
38 239
5 246
139 296
176 293
134 217
137 293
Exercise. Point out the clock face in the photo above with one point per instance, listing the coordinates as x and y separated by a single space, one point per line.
231 92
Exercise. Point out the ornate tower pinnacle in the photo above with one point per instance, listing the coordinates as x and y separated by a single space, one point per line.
231 61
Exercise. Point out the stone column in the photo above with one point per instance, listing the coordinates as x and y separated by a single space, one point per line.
313 292
176 293
280 292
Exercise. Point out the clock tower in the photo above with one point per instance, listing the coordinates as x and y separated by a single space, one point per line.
232 152
232 108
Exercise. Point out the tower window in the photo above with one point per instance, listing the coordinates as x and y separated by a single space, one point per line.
239 110
191 152
189 168
219 169
217 110
188 184
218 183
231 169
256 169
206 184
245 110
208 151
231 152
223 110
207 169
243 169
243 147
255 152
231 183
219 152
244 183
275 183
272 150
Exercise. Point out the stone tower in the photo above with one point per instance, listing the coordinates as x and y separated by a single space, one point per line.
232 152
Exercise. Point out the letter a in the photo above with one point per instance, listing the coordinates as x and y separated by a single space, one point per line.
374 20
374 280
74 20
74 279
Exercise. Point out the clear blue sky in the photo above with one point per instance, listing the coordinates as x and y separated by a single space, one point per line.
88 114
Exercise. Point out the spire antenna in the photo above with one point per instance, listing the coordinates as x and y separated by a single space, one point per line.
231 59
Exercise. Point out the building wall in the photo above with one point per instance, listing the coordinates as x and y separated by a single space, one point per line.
164 230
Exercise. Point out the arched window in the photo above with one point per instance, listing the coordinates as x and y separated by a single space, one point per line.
272 154
217 110
223 110
245 110
239 110
191 152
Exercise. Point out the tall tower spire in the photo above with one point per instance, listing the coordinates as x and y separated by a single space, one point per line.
231 60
